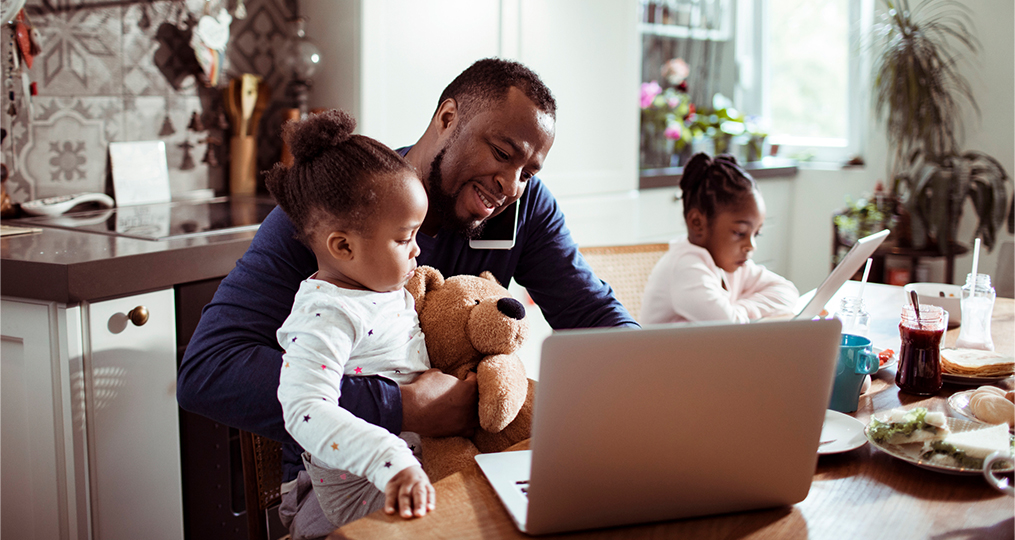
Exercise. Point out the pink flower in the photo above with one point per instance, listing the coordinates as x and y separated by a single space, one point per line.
673 102
673 131
675 71
649 91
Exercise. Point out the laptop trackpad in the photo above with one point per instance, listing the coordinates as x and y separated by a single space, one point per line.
508 473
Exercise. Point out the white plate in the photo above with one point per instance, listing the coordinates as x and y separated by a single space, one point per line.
840 433
892 362
911 452
970 380
959 402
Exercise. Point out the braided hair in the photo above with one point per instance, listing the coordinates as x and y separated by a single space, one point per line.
489 80
713 184
334 177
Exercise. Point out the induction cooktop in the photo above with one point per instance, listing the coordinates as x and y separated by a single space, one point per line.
167 220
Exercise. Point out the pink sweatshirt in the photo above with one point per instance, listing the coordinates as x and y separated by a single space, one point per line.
686 285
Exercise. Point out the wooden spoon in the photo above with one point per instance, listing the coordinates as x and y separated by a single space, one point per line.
248 97
263 98
232 105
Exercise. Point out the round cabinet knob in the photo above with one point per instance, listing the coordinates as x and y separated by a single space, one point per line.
138 315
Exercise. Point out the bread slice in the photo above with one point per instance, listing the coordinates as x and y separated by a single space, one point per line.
981 442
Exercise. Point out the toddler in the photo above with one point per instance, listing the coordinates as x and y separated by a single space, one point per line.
708 275
357 205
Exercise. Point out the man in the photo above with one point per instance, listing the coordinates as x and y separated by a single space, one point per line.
492 129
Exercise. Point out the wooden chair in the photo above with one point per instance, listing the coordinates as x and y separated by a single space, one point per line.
626 269
262 478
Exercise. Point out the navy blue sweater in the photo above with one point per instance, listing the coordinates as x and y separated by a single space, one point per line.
231 367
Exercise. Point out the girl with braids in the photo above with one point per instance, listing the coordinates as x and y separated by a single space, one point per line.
358 206
708 275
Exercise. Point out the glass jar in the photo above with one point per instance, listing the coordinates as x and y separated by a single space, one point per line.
919 370
977 303
854 317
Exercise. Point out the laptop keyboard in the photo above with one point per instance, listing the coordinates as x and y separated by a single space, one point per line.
523 485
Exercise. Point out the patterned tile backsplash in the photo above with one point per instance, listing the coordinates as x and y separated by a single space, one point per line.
123 70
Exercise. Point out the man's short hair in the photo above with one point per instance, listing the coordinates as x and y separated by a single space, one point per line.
489 80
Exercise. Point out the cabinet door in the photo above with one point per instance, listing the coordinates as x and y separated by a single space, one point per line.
43 496
134 424
660 215
773 244
588 54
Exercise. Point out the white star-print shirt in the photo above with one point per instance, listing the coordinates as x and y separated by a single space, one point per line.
334 332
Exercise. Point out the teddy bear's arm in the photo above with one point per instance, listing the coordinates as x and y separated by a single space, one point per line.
502 388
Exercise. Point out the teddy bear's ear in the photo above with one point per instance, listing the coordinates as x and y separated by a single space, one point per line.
488 275
423 281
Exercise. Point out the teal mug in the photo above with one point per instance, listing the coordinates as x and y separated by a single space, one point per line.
856 361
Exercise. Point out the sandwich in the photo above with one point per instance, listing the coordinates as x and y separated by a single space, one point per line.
968 448
940 445
916 425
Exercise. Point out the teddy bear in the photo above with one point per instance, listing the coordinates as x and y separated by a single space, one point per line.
471 323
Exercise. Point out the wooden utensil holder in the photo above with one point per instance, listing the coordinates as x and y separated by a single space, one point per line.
243 165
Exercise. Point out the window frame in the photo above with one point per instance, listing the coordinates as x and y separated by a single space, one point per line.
751 94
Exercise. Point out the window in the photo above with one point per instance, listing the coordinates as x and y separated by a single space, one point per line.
800 67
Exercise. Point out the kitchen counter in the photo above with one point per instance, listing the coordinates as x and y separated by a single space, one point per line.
69 266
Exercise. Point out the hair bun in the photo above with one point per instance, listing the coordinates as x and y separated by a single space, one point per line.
309 137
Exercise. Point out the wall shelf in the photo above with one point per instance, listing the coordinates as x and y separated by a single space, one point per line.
682 32
768 167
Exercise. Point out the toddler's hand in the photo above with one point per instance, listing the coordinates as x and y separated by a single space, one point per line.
410 492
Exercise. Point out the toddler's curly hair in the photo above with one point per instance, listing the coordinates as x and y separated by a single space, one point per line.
713 184
334 175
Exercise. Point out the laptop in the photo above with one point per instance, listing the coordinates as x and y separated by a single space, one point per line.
640 425
810 305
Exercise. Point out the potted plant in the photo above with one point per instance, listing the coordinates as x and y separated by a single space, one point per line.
662 124
917 91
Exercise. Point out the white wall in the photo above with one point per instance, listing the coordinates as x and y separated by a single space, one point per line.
991 74
581 49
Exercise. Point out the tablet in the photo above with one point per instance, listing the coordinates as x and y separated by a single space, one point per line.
854 259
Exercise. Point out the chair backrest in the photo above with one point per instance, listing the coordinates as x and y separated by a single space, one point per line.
625 269
262 480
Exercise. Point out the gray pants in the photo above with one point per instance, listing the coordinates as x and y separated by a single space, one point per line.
324 499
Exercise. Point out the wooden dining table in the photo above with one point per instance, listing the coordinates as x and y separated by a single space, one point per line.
861 493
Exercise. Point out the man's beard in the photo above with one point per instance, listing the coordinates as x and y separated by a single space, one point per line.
444 202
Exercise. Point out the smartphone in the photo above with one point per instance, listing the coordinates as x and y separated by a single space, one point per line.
499 231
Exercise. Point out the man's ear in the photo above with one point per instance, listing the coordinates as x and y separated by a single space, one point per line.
446 117
340 246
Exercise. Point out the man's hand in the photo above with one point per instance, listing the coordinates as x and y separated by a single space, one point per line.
440 405
410 493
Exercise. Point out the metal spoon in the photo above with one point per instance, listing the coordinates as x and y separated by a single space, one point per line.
916 306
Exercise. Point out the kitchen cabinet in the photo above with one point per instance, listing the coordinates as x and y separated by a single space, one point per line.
587 52
90 424
773 243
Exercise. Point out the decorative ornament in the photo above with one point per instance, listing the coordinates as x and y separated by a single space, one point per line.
167 127
209 40
195 122
23 40
188 160
211 154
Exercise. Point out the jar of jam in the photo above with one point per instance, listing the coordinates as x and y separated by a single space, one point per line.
919 370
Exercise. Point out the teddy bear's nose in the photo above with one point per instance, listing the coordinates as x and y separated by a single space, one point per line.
511 307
